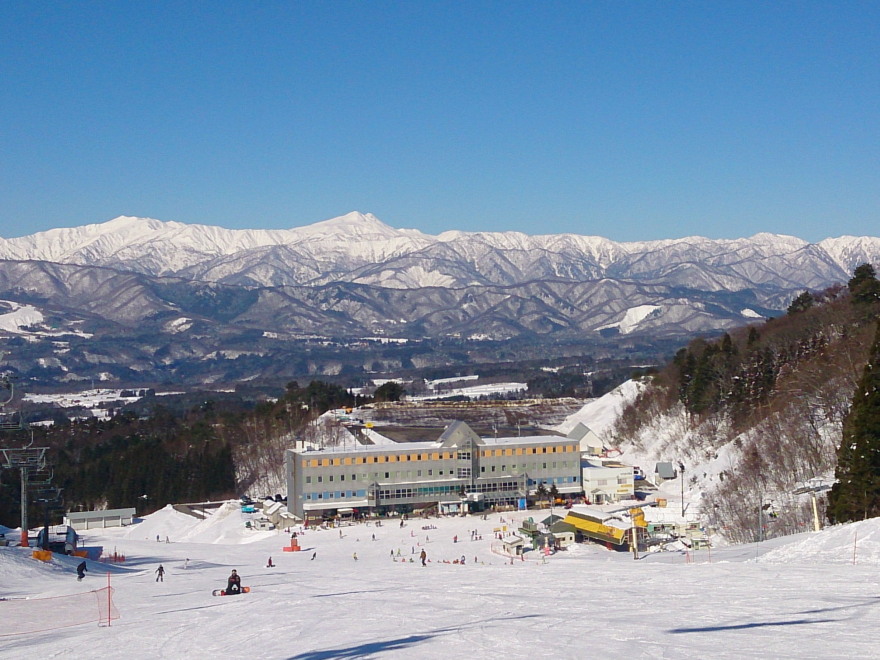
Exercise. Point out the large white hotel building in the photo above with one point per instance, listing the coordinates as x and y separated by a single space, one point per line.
459 467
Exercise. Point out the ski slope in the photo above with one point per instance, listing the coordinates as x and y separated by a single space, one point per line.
814 595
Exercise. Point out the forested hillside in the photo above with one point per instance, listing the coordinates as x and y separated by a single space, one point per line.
758 414
155 455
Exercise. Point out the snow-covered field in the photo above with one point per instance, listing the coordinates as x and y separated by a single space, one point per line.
814 595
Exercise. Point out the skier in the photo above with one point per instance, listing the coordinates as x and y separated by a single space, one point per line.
269 564
423 556
314 554
233 585
81 571
354 556
160 574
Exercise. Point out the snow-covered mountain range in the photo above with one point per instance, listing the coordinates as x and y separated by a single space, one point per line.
171 292
360 249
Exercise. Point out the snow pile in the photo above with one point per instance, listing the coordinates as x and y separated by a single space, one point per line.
857 542
222 525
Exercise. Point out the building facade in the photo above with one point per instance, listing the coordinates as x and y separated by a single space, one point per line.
607 481
458 467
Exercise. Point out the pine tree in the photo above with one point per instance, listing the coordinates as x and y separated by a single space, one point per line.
864 288
802 303
856 495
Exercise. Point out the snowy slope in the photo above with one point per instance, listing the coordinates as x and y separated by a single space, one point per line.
800 597
599 414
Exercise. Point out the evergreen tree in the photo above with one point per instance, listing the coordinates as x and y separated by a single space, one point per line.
390 391
856 495
802 303
753 337
864 287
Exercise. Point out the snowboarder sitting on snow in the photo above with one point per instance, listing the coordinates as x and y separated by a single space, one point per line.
81 571
233 585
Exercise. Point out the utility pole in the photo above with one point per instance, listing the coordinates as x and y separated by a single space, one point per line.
681 474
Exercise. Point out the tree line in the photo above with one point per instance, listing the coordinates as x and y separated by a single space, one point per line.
155 455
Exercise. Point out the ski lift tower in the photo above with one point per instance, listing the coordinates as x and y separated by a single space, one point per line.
27 460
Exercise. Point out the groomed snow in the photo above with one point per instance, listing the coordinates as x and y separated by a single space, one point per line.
796 597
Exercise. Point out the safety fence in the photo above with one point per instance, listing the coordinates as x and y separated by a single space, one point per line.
30 615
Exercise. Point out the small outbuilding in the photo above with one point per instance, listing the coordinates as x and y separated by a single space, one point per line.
80 520
665 471
513 544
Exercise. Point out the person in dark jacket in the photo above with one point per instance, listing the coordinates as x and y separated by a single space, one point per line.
81 571
233 585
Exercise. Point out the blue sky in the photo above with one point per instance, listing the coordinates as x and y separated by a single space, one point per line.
630 120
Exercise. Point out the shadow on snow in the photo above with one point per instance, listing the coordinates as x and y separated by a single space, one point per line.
370 648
